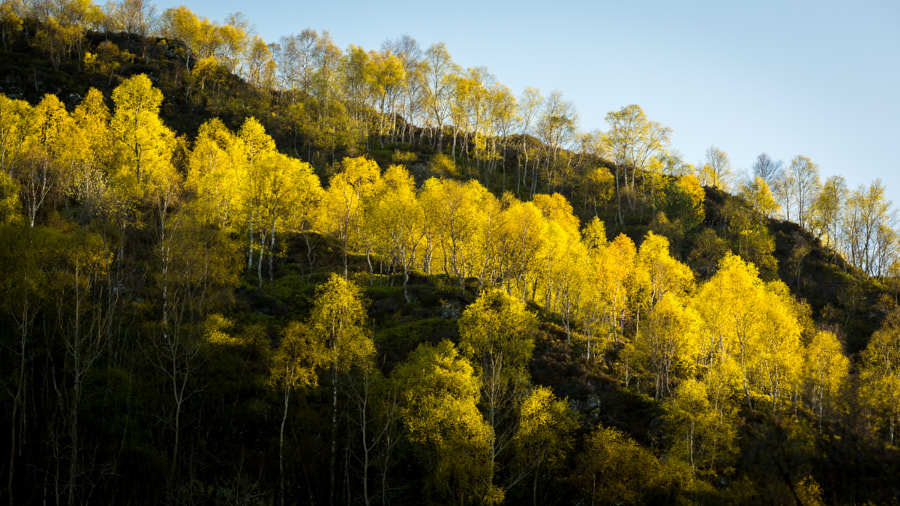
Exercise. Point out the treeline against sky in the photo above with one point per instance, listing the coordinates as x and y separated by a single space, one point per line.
339 103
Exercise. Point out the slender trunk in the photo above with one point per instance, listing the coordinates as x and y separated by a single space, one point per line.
334 399
365 446
13 436
271 252
287 398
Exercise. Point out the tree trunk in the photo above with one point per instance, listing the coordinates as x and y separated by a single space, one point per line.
287 398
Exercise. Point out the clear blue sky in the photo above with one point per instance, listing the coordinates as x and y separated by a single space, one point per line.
818 78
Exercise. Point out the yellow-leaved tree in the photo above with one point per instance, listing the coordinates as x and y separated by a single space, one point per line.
338 319
217 176
668 342
439 408
143 144
702 422
397 218
543 438
497 335
89 180
341 212
294 365
48 154
879 390
523 239
825 371
749 328
657 273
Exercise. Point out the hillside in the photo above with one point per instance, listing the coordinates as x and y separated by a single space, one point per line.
219 292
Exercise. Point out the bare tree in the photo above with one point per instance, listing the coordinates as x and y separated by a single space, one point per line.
766 168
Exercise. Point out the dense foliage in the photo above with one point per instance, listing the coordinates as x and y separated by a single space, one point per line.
456 298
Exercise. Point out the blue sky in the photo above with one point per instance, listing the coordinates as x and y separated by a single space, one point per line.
817 78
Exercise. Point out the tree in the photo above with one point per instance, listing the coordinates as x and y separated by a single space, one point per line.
522 241
751 334
827 211
180 23
287 188
196 267
759 195
529 105
703 424
614 469
669 341
767 169
804 175
496 334
399 217
217 176
412 88
294 366
10 208
26 255
342 207
439 409
143 145
10 24
543 437
338 318
89 180
634 142
63 26
47 154
386 78
556 127
879 380
730 306
13 129
716 171
454 214
84 328
825 371
260 64
658 273
438 71
134 16
867 215
617 270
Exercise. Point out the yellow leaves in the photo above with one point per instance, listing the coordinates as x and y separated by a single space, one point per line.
658 272
10 208
545 428
556 208
752 326
339 317
215 333
523 234
300 353
10 23
440 411
825 369
13 129
615 469
496 331
809 493
759 195
144 145
880 382
90 61
702 421
255 140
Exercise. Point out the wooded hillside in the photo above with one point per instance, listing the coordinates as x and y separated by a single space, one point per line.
236 272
